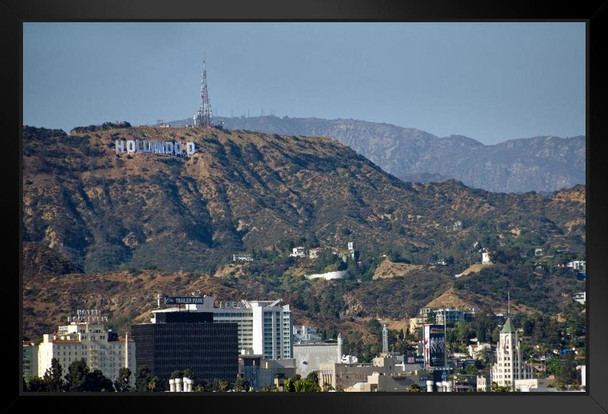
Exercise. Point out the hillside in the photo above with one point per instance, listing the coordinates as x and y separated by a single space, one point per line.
542 164
254 192
109 230
129 296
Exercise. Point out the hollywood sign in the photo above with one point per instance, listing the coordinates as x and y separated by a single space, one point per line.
155 147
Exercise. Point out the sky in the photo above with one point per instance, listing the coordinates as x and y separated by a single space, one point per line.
490 81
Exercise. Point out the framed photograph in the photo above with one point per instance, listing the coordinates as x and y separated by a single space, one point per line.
351 207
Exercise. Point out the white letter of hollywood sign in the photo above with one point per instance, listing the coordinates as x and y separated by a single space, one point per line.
155 147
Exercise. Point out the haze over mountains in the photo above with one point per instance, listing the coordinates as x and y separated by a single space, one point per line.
542 164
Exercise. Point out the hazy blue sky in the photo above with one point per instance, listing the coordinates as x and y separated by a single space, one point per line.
488 81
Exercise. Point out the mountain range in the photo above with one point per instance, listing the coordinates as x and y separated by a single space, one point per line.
102 226
542 164
245 191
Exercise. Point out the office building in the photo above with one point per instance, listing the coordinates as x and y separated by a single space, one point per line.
263 327
181 340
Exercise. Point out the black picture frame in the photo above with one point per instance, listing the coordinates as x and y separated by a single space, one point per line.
13 13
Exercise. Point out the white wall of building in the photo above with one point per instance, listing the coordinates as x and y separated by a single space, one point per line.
309 357
89 342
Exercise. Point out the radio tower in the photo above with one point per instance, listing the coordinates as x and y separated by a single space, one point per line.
203 115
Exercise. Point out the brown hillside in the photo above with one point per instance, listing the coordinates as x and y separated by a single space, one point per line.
388 269
463 300
245 191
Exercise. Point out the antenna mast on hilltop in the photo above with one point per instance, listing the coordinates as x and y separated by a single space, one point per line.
203 115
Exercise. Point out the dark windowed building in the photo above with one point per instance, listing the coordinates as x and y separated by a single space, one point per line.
187 340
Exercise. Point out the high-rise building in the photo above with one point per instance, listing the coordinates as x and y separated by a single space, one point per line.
509 366
263 327
101 349
178 340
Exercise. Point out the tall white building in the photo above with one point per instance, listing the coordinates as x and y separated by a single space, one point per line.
509 366
101 349
264 327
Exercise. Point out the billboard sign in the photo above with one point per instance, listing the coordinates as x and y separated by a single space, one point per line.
434 346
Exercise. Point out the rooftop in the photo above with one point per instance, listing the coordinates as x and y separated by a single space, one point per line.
508 327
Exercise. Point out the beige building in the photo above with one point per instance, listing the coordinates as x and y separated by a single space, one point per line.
509 366
381 375
101 349
377 382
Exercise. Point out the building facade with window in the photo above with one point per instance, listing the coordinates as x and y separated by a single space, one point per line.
263 327
509 366
30 360
178 340
100 348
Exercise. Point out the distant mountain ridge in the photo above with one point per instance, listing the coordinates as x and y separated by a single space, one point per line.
250 191
543 164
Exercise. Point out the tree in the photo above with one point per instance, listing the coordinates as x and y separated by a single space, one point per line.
122 383
188 373
553 365
313 376
414 388
97 382
567 372
77 376
177 374
204 386
53 377
289 385
219 385
157 385
241 384
143 376
500 388
269 388
299 384
306 385
36 384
